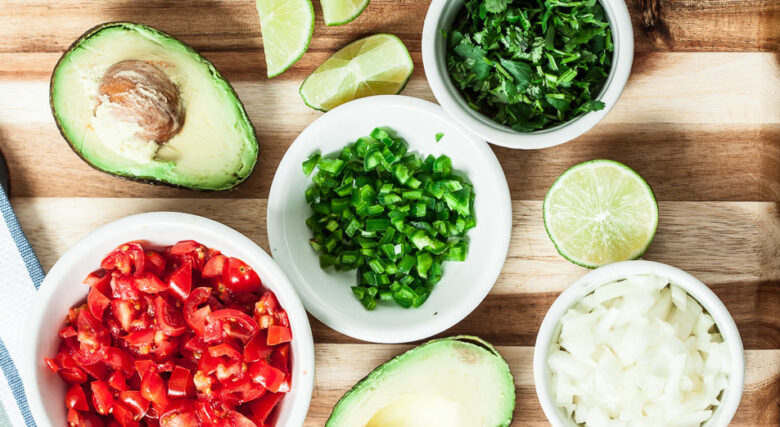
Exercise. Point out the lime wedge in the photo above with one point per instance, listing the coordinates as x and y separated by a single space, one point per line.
287 26
600 212
340 12
375 65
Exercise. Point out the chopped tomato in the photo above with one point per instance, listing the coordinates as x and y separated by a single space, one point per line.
155 263
117 381
170 321
153 389
278 335
150 283
267 376
180 281
75 398
135 402
235 317
214 266
183 336
262 407
239 277
102 397
180 383
93 339
257 348
97 303
123 287
124 416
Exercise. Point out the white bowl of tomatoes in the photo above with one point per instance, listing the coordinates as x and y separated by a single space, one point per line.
168 319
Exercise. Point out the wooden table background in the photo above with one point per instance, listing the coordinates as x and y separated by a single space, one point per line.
699 119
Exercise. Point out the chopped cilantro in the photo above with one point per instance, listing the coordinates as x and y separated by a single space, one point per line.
439 136
530 64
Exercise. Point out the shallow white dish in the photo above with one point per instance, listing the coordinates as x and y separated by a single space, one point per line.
327 294
62 288
549 331
440 15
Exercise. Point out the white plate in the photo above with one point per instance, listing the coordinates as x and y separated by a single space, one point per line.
327 294
62 288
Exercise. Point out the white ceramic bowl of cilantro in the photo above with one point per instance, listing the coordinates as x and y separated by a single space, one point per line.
550 332
442 13
327 294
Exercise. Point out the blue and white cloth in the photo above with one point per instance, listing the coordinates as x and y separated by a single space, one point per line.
21 275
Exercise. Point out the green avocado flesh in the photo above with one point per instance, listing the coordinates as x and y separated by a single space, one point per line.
452 382
216 148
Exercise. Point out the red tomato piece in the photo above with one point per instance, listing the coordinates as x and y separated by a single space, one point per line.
236 419
226 349
88 419
169 320
73 375
93 339
180 384
67 332
124 416
240 390
101 397
213 332
180 281
153 389
140 342
143 366
280 358
196 317
124 311
239 277
155 263
266 375
257 348
180 413
264 406
186 246
97 303
126 258
75 398
235 317
206 413
279 335
97 370
99 279
149 283
214 267
120 360
123 287
117 381
135 402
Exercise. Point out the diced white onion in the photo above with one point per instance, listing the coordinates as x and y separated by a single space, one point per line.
638 352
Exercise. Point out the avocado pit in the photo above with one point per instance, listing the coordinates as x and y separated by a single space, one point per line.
139 92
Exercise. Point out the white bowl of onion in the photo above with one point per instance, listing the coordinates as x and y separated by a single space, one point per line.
638 343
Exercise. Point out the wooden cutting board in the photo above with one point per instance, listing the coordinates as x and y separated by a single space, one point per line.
699 119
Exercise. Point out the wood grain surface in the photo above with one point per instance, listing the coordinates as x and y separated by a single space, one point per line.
699 119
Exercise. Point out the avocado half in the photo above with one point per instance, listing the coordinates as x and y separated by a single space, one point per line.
216 147
460 381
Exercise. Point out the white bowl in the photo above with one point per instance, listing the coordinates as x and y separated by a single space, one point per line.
327 294
586 284
62 288
440 15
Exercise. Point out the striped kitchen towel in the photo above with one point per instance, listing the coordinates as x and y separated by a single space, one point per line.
21 276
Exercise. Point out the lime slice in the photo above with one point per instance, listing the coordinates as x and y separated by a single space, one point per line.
287 26
375 65
340 12
600 212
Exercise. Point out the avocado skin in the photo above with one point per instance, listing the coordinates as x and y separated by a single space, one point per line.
150 179
397 359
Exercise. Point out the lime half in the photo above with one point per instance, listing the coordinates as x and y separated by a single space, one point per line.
375 65
340 12
600 212
287 27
